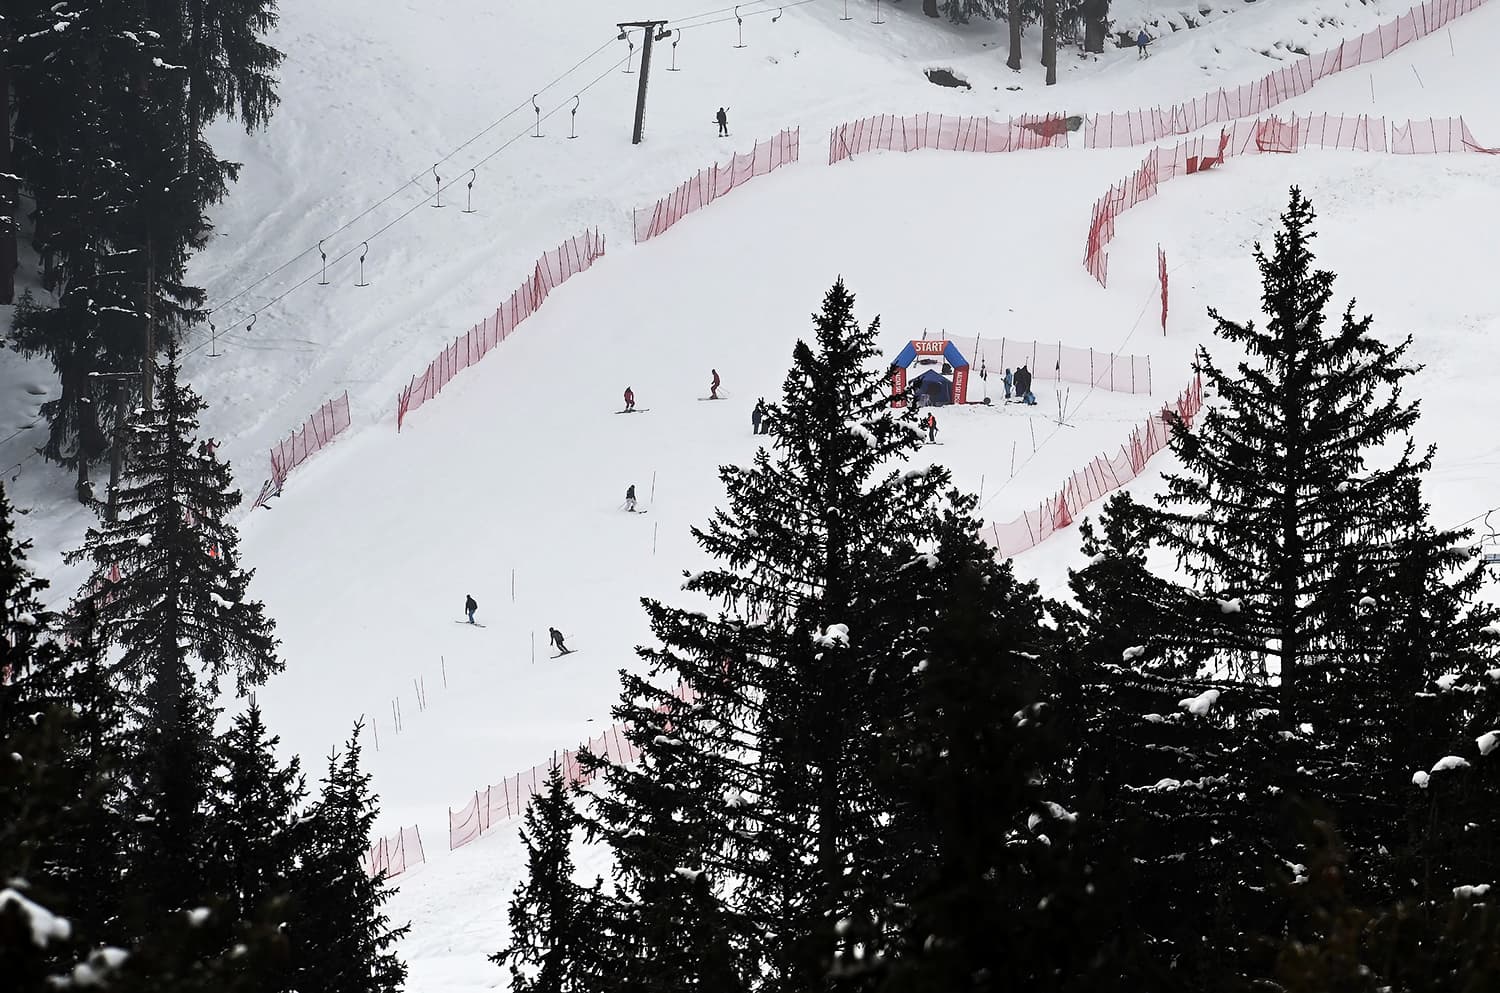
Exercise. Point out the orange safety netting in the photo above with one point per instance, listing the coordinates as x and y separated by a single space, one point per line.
1361 134
552 270
1065 363
890 133
715 181
1100 477
509 797
326 423
1137 127
395 854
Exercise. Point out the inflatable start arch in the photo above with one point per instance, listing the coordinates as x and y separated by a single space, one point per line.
940 348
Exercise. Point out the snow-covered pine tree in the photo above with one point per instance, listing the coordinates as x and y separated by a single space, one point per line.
81 74
983 883
168 590
78 852
550 914
341 936
256 813
667 924
1431 692
1353 602
112 103
23 623
166 584
1295 549
1118 602
796 682
1278 505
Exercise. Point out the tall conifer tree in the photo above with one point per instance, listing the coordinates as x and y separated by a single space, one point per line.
766 758
167 585
1301 657
550 919
341 937
1280 498
258 832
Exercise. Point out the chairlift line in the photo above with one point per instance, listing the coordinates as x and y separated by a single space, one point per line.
398 190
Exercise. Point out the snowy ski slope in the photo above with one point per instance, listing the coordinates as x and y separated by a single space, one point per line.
519 467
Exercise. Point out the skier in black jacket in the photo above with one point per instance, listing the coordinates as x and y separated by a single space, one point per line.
630 498
469 607
557 639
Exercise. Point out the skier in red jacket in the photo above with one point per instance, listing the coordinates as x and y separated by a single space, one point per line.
713 390
629 399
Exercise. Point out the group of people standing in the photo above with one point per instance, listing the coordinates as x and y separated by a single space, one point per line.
1020 384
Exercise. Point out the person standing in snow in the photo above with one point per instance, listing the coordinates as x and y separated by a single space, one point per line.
1141 41
931 425
629 399
723 118
557 640
1023 382
1008 381
469 607
630 498
757 414
713 389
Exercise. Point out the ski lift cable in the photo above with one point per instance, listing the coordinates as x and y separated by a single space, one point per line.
473 138
402 216
678 25
709 13
414 179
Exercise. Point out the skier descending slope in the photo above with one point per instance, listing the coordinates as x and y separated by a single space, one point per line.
557 640
469 607
630 498
722 117
713 389
629 400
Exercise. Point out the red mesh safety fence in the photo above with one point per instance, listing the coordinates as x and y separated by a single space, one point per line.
552 270
509 797
327 423
1276 135
1471 145
1432 136
1065 363
1364 134
889 133
715 181
1137 127
1099 478
393 855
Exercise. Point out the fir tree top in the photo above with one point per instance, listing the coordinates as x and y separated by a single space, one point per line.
1278 506
22 618
167 581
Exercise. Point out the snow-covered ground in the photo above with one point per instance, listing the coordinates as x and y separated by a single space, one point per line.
519 468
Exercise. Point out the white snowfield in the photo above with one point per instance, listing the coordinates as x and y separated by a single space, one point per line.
510 485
